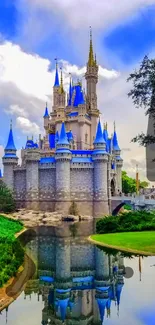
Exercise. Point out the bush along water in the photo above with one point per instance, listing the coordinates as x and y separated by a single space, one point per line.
7 202
11 251
127 221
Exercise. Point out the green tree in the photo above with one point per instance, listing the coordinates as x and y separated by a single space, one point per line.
7 203
129 183
143 94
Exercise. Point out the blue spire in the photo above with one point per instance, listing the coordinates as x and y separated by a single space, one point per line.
63 136
57 136
115 141
46 112
56 83
10 145
81 99
118 292
70 136
70 93
99 136
101 305
1 174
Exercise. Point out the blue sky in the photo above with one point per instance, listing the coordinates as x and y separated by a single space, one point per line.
33 33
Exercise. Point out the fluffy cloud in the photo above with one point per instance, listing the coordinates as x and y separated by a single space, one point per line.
82 13
27 127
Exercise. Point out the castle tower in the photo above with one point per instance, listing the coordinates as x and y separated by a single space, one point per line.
63 267
61 100
119 160
32 178
100 158
63 158
10 160
56 89
91 77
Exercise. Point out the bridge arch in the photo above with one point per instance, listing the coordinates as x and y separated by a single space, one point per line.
119 206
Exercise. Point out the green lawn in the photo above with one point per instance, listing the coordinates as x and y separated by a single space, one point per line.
137 241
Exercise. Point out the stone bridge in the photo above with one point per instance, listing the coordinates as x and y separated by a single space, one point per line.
137 203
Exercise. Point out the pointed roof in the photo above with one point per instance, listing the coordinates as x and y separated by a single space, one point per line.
81 99
46 112
63 304
101 305
63 136
10 144
56 83
1 174
91 61
119 287
115 141
70 93
61 84
57 136
99 136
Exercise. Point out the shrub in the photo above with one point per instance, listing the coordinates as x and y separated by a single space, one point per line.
127 221
73 210
7 202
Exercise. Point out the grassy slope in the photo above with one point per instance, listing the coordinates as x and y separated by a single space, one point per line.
11 253
141 241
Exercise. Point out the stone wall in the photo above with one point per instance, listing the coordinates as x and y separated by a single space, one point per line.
20 184
47 184
82 255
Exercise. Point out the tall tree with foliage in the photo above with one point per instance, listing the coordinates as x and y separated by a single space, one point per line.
7 203
129 184
143 95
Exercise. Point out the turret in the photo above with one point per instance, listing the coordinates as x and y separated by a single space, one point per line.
91 77
63 158
10 160
119 161
102 267
100 158
46 119
61 100
56 88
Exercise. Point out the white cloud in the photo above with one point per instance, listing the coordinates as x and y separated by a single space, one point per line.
16 110
27 127
82 13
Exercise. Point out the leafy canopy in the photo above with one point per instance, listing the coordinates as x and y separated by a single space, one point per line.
143 94
129 183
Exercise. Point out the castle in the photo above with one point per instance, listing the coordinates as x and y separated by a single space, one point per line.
75 161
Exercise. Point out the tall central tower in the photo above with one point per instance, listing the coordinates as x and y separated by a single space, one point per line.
91 77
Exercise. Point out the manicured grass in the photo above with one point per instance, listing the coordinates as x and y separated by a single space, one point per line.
136 241
11 252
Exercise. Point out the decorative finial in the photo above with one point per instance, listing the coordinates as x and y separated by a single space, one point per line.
91 61
56 62
27 137
106 126
114 126
32 137
11 124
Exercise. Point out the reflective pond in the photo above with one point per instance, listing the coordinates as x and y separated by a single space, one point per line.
78 283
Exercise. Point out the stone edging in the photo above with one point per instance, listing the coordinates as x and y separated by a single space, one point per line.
134 251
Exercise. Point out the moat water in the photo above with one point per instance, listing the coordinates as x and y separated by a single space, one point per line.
76 283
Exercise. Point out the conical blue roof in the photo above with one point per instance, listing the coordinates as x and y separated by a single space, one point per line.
63 304
101 305
63 136
81 98
10 144
57 136
56 83
70 94
46 112
118 292
70 136
99 136
1 174
115 142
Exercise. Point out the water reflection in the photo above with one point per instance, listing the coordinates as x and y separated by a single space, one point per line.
78 283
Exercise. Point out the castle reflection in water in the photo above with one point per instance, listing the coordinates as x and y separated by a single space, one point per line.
77 281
